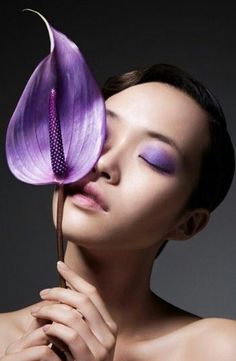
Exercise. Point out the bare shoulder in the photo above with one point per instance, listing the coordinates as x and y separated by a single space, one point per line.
212 338
198 339
14 324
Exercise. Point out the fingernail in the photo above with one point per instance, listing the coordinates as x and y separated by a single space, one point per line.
46 327
44 292
35 309
62 265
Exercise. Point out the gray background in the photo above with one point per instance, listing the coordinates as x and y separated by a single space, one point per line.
198 275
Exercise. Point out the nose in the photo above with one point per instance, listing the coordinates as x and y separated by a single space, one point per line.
108 165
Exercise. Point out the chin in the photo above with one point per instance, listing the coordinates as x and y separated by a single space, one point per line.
81 227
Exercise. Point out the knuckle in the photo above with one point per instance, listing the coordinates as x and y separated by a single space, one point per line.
113 327
102 354
83 348
73 336
110 342
71 318
84 299
65 307
92 290
48 302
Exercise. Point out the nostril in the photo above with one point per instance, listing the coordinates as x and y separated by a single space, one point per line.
106 175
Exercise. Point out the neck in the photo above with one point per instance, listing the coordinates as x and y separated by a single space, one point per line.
122 278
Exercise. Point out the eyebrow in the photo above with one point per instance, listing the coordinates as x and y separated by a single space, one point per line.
151 133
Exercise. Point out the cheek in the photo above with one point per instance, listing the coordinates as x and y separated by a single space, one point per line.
152 193
153 203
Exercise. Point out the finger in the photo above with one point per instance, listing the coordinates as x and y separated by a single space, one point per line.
84 304
73 320
77 346
55 341
33 354
80 285
36 322
69 317
34 338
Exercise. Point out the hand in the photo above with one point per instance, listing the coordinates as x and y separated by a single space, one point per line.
80 321
32 346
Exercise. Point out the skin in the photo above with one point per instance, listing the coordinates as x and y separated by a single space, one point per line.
133 232
110 254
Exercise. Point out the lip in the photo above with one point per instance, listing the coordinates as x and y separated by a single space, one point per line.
88 196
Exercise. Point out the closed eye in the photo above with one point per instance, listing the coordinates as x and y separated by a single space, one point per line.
156 167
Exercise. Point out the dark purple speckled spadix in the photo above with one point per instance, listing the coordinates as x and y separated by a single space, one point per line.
55 138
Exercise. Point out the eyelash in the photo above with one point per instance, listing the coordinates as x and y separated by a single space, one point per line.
154 166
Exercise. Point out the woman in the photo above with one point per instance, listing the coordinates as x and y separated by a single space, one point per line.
167 163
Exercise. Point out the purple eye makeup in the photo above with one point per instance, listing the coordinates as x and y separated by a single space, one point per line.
159 158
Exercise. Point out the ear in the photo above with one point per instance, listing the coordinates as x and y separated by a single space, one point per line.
193 222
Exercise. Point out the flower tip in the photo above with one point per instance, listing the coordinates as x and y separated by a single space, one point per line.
47 25
32 10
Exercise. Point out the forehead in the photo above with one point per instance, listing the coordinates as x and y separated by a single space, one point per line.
164 109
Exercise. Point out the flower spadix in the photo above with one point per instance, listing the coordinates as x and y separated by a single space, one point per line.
57 130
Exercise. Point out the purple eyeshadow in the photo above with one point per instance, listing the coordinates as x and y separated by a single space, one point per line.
159 158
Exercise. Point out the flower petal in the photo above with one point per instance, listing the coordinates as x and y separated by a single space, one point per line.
80 108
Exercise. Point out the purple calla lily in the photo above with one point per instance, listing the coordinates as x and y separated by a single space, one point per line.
57 130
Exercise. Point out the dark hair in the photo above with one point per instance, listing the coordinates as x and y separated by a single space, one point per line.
218 160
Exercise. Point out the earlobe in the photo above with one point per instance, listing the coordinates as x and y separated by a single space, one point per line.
194 222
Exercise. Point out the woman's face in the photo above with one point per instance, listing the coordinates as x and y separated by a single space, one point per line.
144 180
